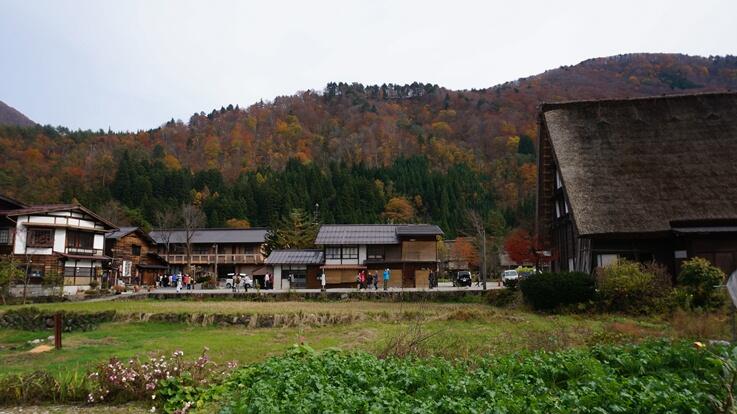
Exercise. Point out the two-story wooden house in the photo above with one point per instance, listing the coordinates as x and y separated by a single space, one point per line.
220 251
134 257
643 179
66 239
410 251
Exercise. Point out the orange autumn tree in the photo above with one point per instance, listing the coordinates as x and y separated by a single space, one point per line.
519 246
463 249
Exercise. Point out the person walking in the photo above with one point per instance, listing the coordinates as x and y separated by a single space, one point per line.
247 282
322 280
387 275
267 281
179 283
375 279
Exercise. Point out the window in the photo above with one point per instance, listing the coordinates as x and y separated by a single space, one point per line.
4 236
80 239
136 250
374 252
35 272
40 238
603 260
200 249
332 252
350 252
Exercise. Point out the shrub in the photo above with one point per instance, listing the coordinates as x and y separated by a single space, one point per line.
546 291
700 278
632 287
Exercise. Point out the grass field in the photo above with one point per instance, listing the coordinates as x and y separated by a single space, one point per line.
452 330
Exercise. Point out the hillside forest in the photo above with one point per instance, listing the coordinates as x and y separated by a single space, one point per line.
349 153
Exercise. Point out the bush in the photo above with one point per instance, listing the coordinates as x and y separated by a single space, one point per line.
626 286
700 279
546 291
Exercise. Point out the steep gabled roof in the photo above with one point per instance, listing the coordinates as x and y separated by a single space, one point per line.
372 233
227 235
635 165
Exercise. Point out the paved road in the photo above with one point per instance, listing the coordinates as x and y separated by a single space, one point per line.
443 287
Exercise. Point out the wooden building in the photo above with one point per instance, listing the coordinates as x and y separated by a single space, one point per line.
303 265
134 257
644 179
409 250
62 239
214 251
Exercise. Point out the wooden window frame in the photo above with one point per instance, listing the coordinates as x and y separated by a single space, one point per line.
32 235
135 250
344 254
337 255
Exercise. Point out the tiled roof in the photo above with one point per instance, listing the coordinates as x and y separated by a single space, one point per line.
357 234
295 257
419 230
372 233
178 236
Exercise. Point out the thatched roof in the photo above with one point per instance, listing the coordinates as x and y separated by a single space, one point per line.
633 166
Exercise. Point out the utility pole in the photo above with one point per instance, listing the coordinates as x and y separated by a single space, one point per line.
216 260
483 252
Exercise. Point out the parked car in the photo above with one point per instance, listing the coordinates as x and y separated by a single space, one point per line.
246 281
462 278
510 277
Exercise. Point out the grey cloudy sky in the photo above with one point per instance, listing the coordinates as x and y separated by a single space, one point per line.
135 64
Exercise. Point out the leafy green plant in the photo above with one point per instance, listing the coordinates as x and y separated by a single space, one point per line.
656 377
627 286
701 279
547 291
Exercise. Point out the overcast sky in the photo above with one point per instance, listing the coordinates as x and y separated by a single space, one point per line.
133 65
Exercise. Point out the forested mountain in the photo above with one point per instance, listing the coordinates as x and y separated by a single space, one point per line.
11 116
364 153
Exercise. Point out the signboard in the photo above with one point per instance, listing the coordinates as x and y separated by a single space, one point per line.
127 265
732 287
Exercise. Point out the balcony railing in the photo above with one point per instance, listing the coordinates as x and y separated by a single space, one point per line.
211 258
83 251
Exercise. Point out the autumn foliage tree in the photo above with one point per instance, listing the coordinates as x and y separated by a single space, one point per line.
399 210
519 246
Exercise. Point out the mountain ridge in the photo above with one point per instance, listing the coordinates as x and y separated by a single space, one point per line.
491 130
12 116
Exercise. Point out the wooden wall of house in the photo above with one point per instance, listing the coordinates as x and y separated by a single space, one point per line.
719 249
124 249
425 251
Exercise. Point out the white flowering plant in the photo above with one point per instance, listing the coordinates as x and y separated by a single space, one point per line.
168 381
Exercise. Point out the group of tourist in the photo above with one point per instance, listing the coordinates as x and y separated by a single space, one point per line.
365 281
178 280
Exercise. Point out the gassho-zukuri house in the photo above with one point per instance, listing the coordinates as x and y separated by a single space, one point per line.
643 179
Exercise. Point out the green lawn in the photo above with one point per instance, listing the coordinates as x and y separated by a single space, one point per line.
454 331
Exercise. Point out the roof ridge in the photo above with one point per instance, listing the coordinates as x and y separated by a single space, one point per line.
548 106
